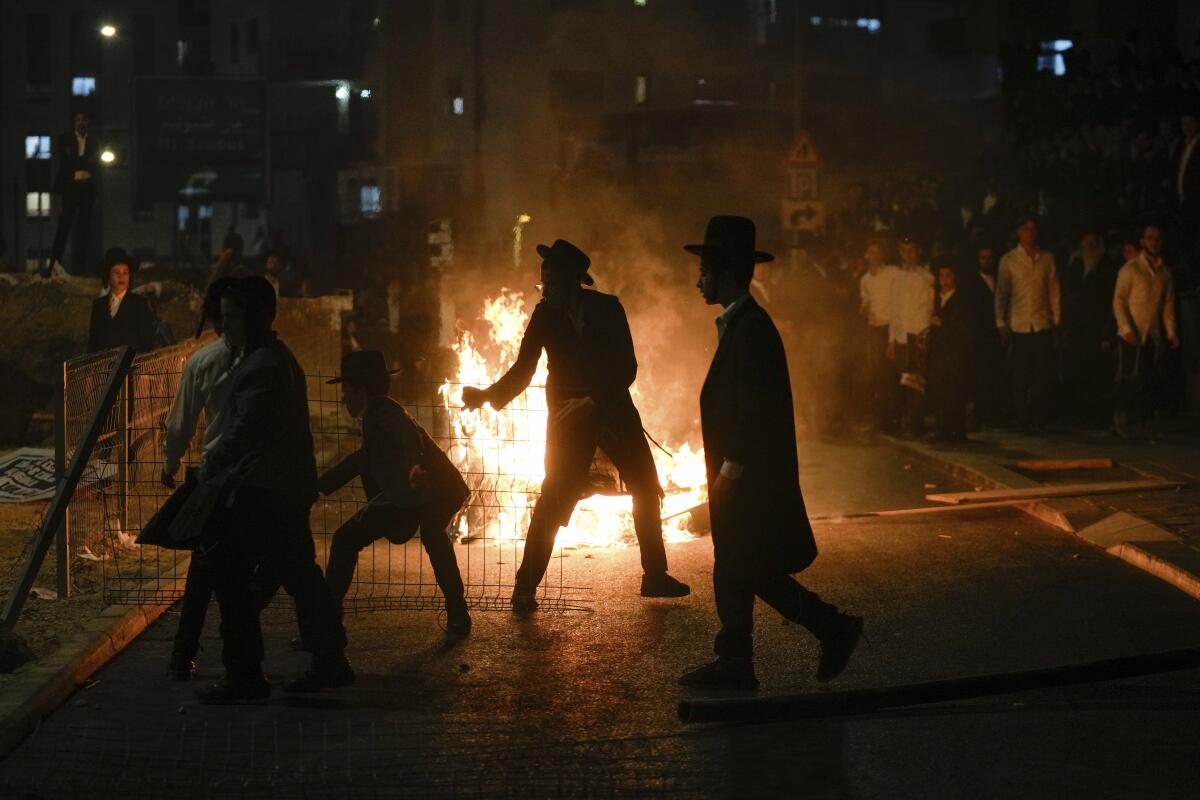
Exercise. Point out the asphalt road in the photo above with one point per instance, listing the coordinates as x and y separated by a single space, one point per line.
583 703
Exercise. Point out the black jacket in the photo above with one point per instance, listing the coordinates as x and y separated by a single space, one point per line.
268 440
953 344
1087 301
746 416
393 443
69 161
596 362
133 325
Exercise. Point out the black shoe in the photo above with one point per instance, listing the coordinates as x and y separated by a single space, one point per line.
235 690
663 585
458 622
327 674
838 645
724 674
524 602
181 667
300 644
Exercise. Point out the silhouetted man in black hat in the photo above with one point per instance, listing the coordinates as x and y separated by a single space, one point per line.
760 529
409 481
591 367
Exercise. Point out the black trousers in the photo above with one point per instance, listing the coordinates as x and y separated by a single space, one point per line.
379 520
197 592
75 221
884 382
736 585
1139 380
261 534
569 455
911 402
1031 376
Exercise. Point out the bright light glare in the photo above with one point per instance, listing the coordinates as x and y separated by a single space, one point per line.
343 92
108 31
108 156
365 94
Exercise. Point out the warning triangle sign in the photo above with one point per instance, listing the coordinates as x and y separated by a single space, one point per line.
803 152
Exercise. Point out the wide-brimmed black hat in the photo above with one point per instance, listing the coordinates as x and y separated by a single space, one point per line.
114 256
363 366
730 237
567 255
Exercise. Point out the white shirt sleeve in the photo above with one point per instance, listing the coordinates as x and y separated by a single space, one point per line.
180 423
1121 302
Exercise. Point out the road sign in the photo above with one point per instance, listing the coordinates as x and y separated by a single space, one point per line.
803 152
803 183
803 215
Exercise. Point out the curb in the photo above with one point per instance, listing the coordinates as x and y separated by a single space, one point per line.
46 684
1149 547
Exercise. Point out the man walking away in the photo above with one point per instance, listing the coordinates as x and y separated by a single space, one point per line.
760 529
266 456
204 386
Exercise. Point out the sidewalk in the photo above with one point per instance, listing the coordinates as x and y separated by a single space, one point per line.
1156 531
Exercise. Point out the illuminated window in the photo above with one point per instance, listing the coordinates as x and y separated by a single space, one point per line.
1050 59
641 90
640 3
37 147
458 106
83 85
37 204
370 200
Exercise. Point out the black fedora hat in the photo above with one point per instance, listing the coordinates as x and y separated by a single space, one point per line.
567 255
732 237
114 256
363 366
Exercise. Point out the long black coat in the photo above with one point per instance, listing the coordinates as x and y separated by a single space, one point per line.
953 347
268 438
133 325
746 417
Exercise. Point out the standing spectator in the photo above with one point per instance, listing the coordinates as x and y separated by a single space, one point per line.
978 289
912 308
1028 308
875 293
120 317
283 277
1144 309
1087 290
951 355
75 184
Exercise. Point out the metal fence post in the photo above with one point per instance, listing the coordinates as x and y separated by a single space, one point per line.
63 545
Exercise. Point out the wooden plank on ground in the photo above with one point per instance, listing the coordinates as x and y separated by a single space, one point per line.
1051 491
1051 464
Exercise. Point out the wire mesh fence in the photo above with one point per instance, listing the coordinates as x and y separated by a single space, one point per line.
500 462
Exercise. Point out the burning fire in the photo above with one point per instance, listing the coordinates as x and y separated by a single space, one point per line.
504 450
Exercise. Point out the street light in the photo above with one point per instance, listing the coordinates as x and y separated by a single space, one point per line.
108 31
343 92
108 156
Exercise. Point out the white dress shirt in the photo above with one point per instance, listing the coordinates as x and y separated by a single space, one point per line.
1028 297
114 302
730 469
990 280
912 303
875 292
206 382
1144 300
80 149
